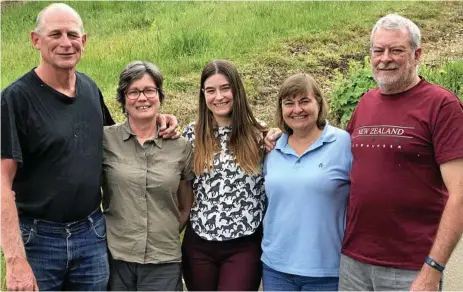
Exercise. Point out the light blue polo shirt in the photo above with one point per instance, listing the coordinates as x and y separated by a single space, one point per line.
307 195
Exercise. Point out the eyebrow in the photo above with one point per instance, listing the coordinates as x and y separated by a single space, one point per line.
71 31
392 47
225 84
288 98
293 97
140 88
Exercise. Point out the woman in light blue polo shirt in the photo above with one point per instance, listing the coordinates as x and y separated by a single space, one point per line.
307 184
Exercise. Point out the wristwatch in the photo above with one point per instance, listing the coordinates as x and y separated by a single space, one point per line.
435 265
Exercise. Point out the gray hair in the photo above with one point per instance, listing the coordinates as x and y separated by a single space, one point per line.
397 22
136 70
57 6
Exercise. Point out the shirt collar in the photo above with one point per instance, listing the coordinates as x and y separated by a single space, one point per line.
328 135
127 133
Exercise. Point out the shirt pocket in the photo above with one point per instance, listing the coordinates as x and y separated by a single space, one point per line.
123 180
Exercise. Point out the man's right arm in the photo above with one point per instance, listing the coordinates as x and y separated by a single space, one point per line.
19 275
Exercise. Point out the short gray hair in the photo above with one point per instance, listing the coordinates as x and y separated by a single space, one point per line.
57 6
136 70
397 22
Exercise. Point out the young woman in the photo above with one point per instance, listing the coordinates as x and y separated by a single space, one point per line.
221 248
147 188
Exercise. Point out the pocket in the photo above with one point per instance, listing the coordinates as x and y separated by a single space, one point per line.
27 233
99 228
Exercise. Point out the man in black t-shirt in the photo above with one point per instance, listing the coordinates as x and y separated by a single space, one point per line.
51 130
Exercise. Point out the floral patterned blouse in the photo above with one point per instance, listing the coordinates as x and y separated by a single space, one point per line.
228 202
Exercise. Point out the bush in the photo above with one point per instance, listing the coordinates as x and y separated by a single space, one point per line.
347 89
449 75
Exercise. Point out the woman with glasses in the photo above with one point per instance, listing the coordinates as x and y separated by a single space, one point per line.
147 185
221 247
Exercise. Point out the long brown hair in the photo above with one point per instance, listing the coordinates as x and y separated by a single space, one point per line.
245 139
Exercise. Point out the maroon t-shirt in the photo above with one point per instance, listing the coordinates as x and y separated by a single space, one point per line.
397 194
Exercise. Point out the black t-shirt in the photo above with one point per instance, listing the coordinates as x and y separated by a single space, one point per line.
57 142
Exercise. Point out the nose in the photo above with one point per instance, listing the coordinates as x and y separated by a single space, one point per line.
297 108
386 56
142 96
65 42
218 94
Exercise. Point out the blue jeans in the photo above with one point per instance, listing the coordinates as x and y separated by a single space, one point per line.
67 256
278 281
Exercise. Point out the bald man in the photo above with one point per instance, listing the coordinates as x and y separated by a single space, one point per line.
53 232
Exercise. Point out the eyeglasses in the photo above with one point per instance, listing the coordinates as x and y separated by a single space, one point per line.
211 91
149 92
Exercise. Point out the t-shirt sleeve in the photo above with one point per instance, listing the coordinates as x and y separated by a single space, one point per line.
11 125
107 119
447 134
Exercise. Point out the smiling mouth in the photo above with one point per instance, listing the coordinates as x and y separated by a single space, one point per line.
298 117
221 104
387 69
143 107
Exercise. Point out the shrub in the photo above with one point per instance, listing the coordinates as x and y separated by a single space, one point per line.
347 90
449 75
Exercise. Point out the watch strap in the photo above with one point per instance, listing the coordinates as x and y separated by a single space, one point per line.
434 264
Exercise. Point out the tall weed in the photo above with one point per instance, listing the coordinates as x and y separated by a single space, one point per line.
449 75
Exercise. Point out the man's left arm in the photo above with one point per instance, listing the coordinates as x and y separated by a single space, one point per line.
450 227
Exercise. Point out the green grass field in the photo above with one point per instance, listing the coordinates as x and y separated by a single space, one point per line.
268 41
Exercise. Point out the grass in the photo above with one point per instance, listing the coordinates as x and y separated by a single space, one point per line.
181 37
268 41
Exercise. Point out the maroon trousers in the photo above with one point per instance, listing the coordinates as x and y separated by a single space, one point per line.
232 265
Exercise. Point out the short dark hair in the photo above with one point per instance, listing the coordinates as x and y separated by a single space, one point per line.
134 71
296 84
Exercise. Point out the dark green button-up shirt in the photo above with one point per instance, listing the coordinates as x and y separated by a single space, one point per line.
140 185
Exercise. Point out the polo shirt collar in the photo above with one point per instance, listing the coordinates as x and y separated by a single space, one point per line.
127 133
328 135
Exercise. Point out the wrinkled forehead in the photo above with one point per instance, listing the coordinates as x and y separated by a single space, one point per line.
60 19
391 37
